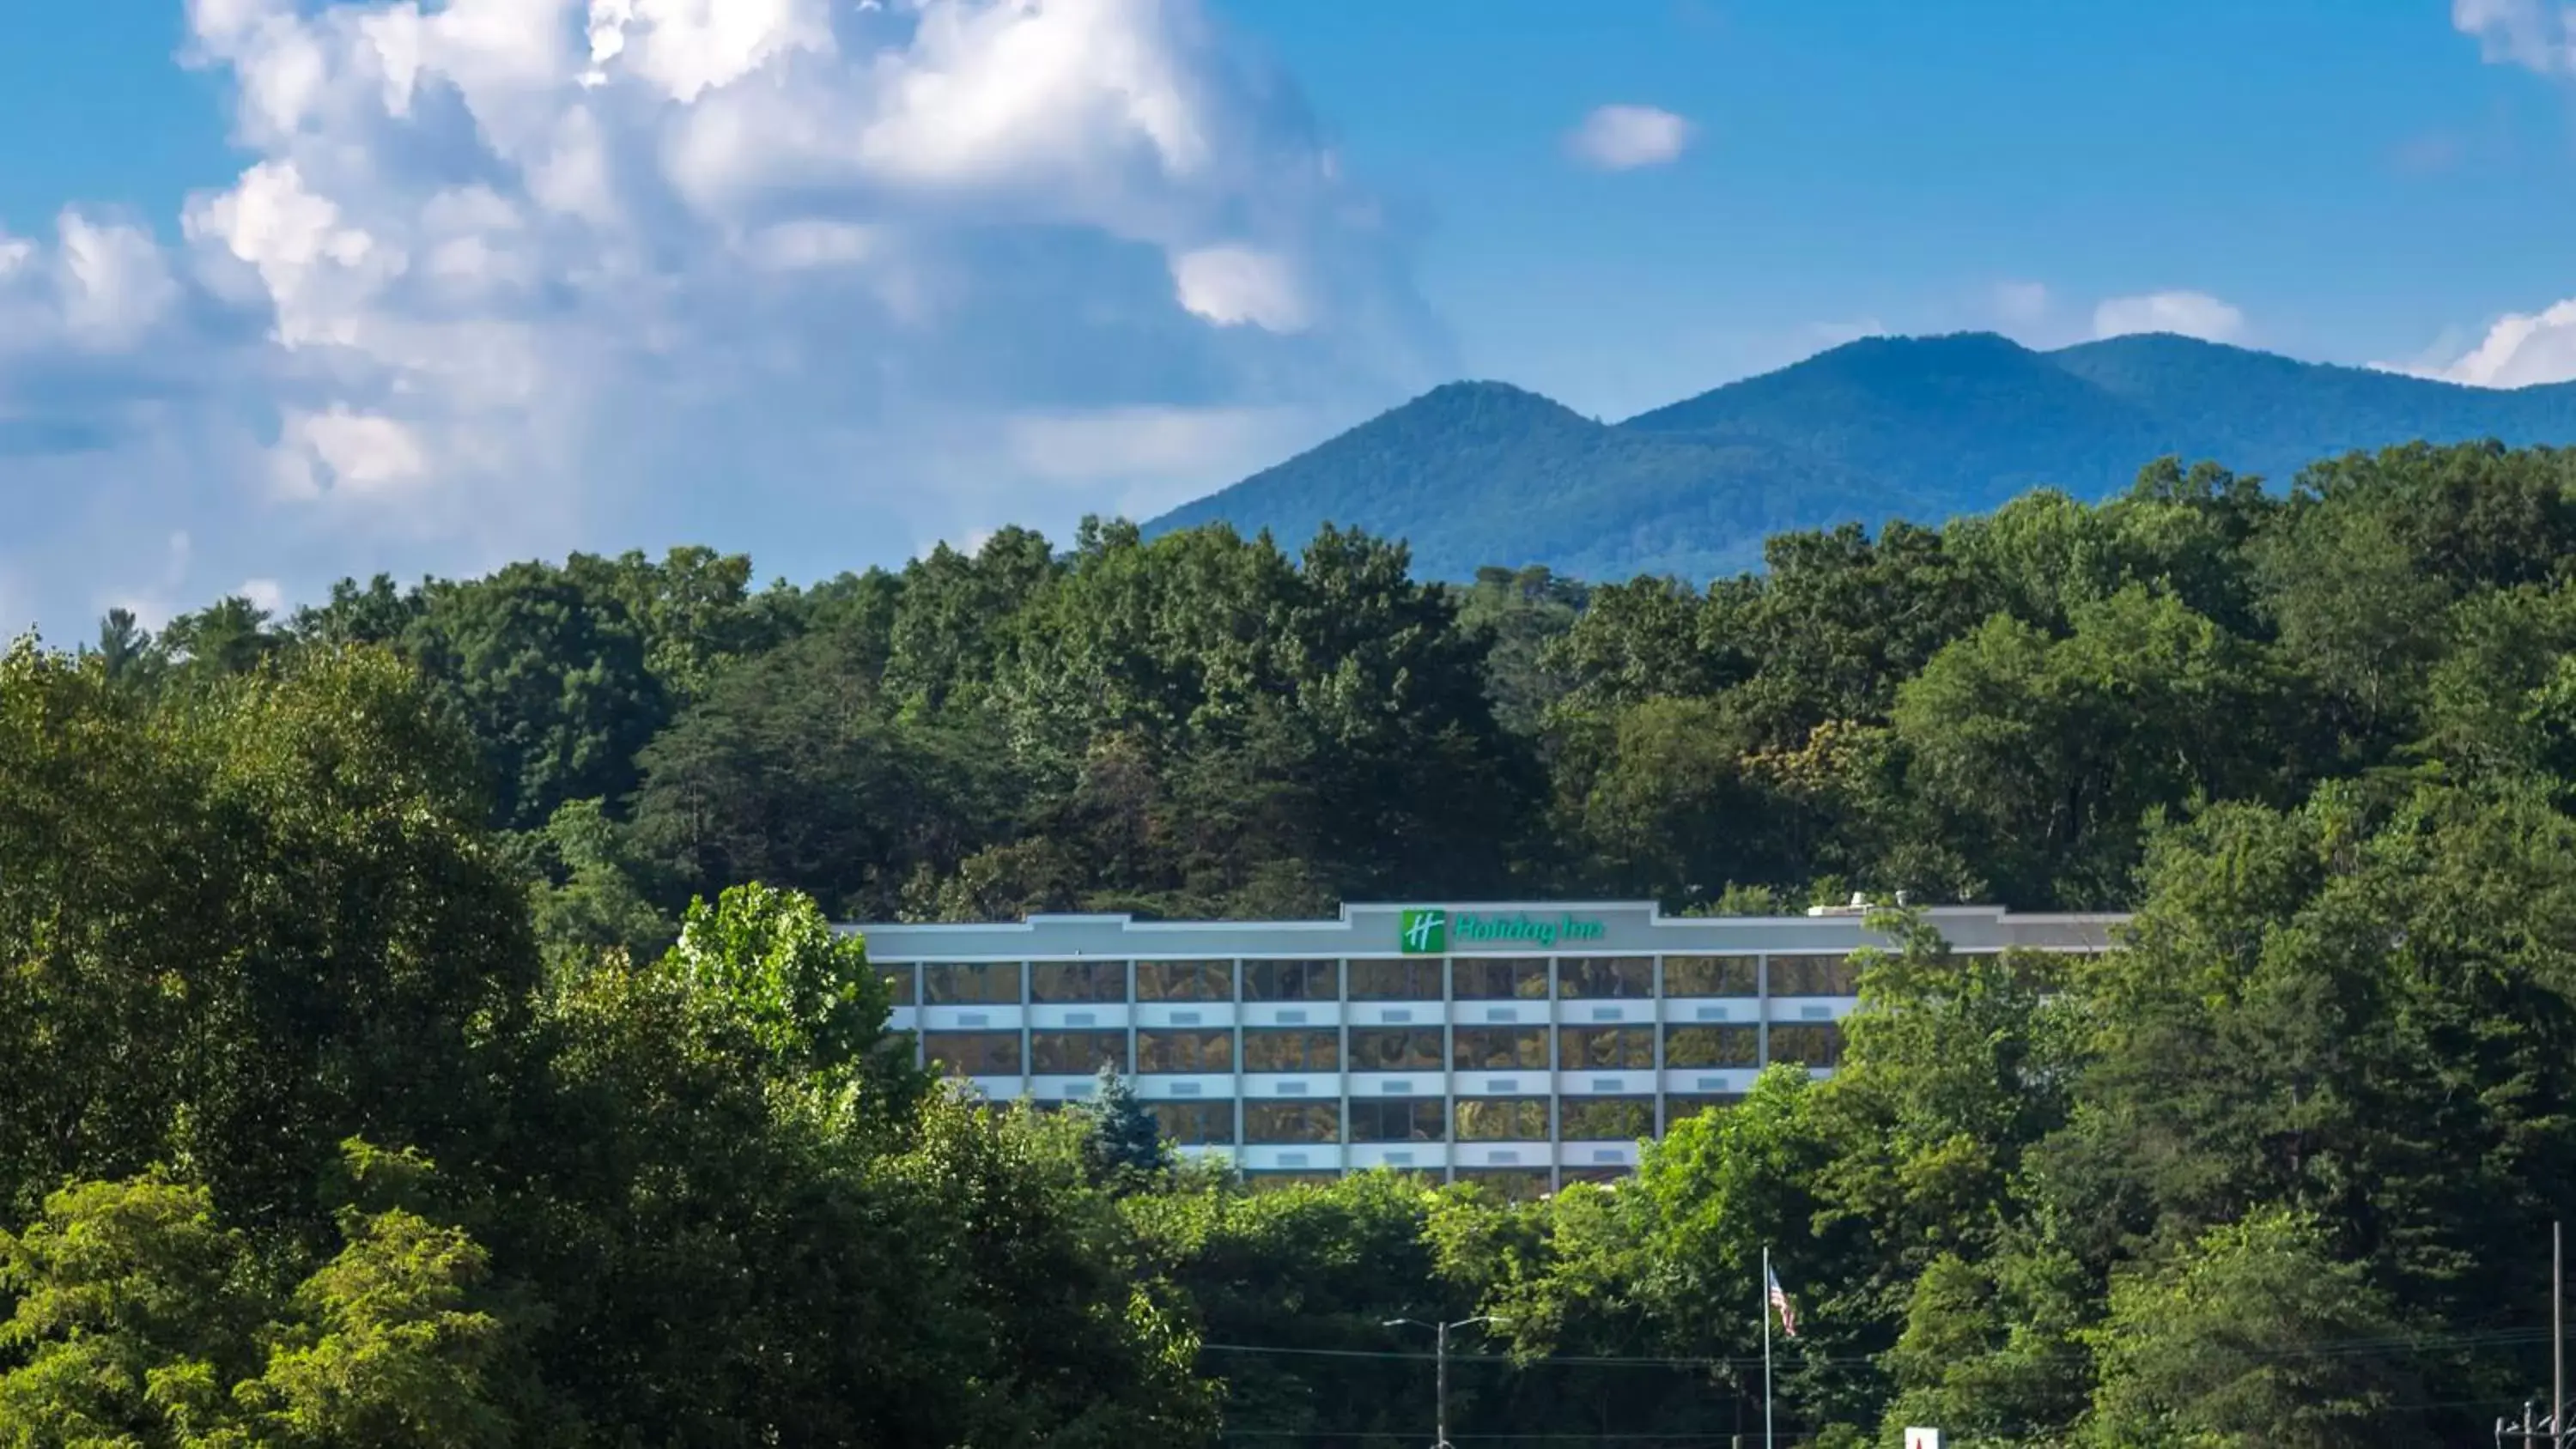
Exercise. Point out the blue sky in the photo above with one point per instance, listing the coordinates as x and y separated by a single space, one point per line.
304 290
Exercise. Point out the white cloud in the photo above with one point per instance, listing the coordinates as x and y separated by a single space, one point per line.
266 594
98 287
2538 35
2021 304
2192 314
509 277
349 453
1622 138
796 245
2517 351
1230 286
1158 458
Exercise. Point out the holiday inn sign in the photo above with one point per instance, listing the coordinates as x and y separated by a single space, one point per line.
1430 932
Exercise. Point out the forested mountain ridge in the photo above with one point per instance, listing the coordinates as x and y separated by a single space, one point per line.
1927 428
420 1022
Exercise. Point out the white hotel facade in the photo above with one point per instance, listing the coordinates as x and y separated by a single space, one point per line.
1523 1044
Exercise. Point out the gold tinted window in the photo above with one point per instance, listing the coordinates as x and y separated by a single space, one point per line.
1734 1045
1502 1119
974 1053
1608 1119
1076 1053
981 984
1184 981
1711 975
1604 1048
1184 1051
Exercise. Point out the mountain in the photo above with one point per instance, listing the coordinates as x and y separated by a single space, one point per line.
1482 472
1477 473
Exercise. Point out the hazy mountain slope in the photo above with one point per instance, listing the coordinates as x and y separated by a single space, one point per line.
1475 473
1963 421
2262 413
1927 428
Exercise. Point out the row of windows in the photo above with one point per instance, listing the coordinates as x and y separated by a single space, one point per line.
1418 1119
1383 1049
1517 1183
1597 978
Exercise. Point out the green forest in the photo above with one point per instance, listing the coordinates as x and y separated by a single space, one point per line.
420 1022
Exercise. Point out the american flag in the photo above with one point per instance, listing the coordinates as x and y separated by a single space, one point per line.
1780 1301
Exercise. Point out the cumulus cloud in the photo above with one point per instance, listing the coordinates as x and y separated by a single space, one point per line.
2517 351
1622 138
1234 286
507 277
2537 35
2192 314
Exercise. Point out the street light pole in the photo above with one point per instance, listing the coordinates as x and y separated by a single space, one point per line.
1440 1371
1440 1389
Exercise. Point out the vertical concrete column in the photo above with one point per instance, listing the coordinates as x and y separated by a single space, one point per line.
1133 1066
920 1009
1762 1010
1557 1113
1655 1004
1028 1026
1234 974
1342 1058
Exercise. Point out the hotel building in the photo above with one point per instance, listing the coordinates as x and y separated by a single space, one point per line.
1524 1044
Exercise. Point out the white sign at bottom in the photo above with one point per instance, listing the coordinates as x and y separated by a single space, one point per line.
1922 1439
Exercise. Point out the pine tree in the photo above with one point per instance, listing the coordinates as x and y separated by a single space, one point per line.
1125 1138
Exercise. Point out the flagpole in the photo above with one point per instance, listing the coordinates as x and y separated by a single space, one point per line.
1766 1346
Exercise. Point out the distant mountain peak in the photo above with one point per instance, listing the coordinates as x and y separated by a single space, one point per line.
1487 395
1484 472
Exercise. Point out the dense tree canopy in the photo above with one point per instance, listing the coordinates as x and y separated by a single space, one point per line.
421 1020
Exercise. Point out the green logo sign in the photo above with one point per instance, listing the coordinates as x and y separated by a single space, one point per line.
1428 933
1425 933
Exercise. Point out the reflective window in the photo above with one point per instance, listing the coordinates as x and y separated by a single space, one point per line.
1511 1184
1604 978
1194 1124
898 984
1076 1053
1400 1119
1269 1050
1604 1048
1711 975
1814 976
1395 1048
1292 981
1077 981
1414 978
1184 981
1184 1051
1290 1122
974 1053
1736 1045
1678 1108
983 984
1808 1043
1498 1048
1607 1119
1499 978
1502 1119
